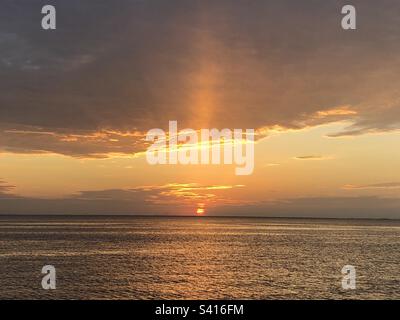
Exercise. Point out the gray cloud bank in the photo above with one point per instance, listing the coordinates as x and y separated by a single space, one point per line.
130 66
163 200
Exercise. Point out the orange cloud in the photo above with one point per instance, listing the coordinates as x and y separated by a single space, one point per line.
338 111
376 186
311 157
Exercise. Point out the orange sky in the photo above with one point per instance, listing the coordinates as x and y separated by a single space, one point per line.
76 106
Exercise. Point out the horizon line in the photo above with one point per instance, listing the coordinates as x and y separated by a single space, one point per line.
192 216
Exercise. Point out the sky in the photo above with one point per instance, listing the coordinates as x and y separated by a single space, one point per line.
76 104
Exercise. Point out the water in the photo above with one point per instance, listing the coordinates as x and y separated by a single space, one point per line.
198 258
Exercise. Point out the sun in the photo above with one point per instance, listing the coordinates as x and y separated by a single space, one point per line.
200 211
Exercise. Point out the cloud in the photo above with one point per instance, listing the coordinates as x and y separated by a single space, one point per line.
174 198
386 185
95 144
133 66
311 157
5 190
178 199
191 192
272 164
184 198
338 111
372 207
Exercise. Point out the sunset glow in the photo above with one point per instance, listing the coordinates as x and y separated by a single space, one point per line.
75 111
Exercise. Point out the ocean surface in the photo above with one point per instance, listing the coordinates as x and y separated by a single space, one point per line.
198 258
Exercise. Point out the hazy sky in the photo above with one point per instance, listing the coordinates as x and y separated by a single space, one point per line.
76 103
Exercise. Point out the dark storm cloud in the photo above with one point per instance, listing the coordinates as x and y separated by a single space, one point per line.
134 65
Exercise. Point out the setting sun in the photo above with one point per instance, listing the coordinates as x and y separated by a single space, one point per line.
200 211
